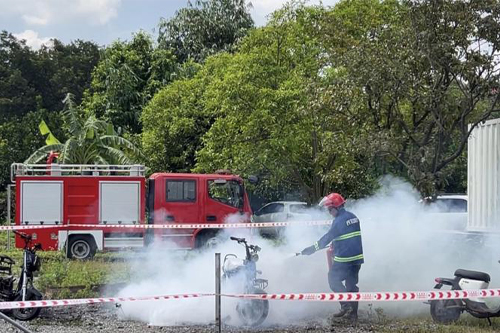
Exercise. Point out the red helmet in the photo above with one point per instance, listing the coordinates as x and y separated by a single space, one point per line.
332 200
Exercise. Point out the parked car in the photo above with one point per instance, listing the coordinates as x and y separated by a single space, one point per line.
281 211
448 210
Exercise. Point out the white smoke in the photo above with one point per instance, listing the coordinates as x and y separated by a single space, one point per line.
237 218
405 249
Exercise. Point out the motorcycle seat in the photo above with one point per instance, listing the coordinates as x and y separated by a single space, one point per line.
232 264
463 273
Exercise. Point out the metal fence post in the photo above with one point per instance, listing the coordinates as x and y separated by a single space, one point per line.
14 323
218 320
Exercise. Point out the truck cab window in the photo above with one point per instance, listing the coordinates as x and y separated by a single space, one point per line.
228 192
181 190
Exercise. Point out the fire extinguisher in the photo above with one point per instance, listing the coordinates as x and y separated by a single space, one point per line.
329 256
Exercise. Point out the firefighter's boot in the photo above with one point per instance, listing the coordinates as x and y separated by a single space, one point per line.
352 313
344 309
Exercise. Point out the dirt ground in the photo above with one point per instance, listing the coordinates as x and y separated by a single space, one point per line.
105 318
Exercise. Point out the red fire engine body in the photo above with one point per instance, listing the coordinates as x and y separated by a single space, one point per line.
96 195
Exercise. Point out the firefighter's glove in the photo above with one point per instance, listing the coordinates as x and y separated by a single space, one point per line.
308 250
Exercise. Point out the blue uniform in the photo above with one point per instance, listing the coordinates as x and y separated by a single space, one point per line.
345 233
345 236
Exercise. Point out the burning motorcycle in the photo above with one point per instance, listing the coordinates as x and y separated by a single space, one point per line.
24 290
251 312
448 311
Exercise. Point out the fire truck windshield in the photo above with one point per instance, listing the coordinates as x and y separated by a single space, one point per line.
229 192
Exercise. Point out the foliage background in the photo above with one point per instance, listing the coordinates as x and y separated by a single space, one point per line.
317 100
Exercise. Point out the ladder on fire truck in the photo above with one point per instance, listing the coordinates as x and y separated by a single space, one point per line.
22 169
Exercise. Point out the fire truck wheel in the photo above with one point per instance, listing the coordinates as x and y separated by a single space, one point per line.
207 240
81 247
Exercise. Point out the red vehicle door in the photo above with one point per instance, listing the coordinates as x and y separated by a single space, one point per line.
226 201
177 200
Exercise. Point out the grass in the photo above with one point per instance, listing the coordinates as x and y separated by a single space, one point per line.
59 272
467 324
87 274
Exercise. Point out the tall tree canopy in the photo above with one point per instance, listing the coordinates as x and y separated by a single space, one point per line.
32 80
205 27
427 69
177 117
319 99
323 99
126 78
274 108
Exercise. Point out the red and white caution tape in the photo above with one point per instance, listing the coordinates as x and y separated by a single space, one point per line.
208 225
313 297
376 296
28 227
85 301
171 226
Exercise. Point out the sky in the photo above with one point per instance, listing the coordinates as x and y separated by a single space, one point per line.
101 21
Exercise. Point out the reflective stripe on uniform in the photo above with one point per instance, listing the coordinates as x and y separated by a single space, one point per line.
316 246
348 259
349 235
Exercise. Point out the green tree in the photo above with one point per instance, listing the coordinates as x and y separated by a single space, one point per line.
427 69
89 140
205 27
275 108
285 113
177 117
126 78
17 95
70 67
32 80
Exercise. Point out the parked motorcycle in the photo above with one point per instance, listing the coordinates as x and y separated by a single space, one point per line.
24 290
251 312
448 311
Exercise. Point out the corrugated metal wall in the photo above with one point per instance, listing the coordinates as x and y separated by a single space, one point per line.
483 177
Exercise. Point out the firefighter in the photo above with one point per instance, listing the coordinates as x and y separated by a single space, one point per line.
345 238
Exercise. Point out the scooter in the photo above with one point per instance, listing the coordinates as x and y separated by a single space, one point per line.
251 312
448 311
24 290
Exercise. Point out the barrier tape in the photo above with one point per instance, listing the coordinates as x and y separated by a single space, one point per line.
171 226
328 297
86 301
27 227
375 296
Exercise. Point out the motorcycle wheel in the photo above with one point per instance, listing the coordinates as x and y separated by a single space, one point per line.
253 312
26 313
446 311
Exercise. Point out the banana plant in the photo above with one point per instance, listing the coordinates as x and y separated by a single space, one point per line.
90 141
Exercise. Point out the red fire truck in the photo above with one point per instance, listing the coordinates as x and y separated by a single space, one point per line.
96 195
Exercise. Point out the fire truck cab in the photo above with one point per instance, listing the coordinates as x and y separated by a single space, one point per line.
79 200
195 198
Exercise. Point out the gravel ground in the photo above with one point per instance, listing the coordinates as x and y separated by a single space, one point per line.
105 318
